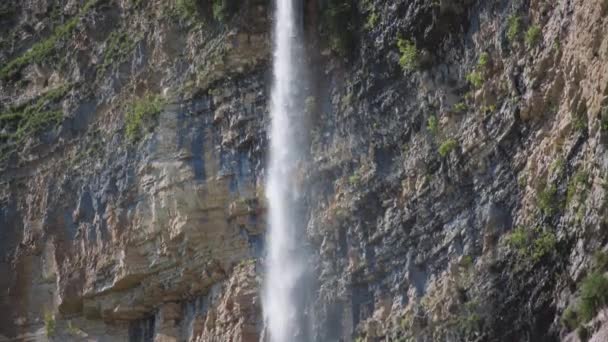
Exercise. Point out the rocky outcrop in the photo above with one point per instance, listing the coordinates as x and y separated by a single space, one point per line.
455 185
136 231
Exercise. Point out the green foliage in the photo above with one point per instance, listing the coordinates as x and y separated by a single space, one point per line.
517 239
337 26
41 50
578 184
570 318
409 55
600 261
557 167
594 295
187 9
543 244
223 9
583 333
140 111
533 244
354 179
579 122
513 27
432 124
466 261
26 120
475 78
372 20
460 107
118 46
468 321
483 61
533 36
547 200
488 108
604 119
447 146
49 324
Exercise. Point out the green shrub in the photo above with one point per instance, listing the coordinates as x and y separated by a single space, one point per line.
466 261
579 122
409 55
337 26
49 324
221 9
41 50
570 319
513 27
432 125
475 78
372 20
600 261
517 239
547 200
460 107
483 61
543 245
118 47
31 118
447 147
578 184
604 119
187 9
594 295
145 109
583 333
533 36
531 244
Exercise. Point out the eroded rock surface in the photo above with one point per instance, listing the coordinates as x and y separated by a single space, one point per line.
456 185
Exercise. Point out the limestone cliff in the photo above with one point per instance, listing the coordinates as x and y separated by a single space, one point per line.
456 185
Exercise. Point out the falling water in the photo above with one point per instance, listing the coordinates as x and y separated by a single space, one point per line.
286 261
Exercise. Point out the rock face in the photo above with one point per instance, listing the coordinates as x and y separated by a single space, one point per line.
456 182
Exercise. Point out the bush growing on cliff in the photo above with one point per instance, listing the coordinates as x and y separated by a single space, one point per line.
23 121
337 26
432 125
577 185
513 27
447 147
41 50
409 55
532 244
547 200
533 36
223 9
475 78
118 46
483 61
141 111
594 295
49 324
460 107
186 9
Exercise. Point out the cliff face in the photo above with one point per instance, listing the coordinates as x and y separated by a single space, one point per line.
456 182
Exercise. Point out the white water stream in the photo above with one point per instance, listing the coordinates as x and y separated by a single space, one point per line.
285 260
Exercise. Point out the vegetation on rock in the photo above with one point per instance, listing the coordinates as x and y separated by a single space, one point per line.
409 54
140 112
41 50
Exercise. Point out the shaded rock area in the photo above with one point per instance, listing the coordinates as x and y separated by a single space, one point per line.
456 183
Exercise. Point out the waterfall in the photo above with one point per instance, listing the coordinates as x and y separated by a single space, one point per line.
286 270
